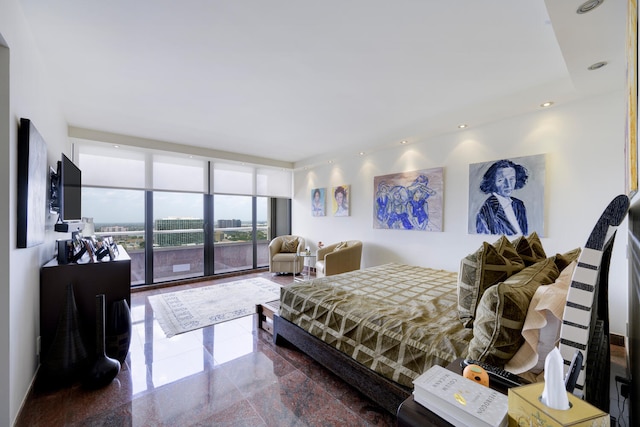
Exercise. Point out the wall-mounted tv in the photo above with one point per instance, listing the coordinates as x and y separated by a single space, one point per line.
67 191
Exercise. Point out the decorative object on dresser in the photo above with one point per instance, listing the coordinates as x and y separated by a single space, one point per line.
103 368
119 330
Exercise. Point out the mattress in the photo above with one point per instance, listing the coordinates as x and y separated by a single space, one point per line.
397 320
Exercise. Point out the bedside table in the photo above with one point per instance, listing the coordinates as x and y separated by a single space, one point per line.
412 414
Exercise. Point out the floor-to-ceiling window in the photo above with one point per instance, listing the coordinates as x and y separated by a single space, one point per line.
120 214
178 236
240 241
195 217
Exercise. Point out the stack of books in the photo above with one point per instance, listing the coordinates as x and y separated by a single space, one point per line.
459 400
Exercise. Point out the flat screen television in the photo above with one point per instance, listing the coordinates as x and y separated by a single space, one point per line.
69 190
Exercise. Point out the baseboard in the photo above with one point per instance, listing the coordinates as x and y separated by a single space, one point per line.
615 339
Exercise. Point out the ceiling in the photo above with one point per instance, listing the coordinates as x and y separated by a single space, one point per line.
303 81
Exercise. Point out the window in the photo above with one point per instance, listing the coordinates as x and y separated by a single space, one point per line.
120 214
173 187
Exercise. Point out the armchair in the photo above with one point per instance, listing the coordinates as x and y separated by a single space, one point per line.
282 254
339 258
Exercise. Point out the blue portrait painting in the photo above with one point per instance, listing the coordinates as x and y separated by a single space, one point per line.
506 196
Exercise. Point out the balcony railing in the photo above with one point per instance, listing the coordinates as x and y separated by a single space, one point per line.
187 260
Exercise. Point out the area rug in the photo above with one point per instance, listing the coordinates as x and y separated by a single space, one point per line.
191 309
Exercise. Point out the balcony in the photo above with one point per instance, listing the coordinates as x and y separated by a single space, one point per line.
187 260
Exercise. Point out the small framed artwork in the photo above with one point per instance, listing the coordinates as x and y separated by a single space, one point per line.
318 202
409 200
340 200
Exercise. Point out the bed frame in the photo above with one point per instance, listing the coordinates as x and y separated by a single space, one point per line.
389 395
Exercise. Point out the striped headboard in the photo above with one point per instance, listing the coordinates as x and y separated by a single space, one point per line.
585 323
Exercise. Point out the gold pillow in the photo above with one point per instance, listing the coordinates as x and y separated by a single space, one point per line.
563 260
340 245
497 329
482 269
529 248
289 245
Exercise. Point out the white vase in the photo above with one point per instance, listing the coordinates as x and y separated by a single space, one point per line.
89 228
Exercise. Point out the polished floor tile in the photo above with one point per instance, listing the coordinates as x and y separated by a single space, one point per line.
230 374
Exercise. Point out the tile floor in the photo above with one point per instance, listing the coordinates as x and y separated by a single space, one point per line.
230 374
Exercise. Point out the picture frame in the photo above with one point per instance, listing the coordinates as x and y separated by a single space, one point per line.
32 185
525 188
318 196
340 197
409 200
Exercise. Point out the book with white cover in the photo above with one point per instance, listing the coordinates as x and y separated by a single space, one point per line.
459 400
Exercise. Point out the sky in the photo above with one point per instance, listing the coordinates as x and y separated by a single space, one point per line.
126 206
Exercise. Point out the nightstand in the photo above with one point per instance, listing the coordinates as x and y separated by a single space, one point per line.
412 414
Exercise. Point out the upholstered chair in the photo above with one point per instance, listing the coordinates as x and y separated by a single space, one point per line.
339 258
282 254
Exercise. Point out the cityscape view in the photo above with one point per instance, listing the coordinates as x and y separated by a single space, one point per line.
180 232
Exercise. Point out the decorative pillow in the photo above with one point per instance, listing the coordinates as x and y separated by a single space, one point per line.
340 245
289 245
482 269
563 260
541 329
502 311
529 248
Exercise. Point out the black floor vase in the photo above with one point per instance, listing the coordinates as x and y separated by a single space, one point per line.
66 360
104 369
119 331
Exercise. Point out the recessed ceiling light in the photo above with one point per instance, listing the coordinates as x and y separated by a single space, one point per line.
330 161
546 104
116 146
362 153
462 126
597 65
404 141
588 6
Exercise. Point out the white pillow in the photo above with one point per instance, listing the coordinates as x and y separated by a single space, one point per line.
541 330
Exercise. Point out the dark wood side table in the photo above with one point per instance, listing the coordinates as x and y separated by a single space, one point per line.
412 414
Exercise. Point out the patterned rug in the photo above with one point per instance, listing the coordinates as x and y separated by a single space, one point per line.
183 311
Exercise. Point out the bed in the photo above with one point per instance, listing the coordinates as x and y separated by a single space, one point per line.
381 327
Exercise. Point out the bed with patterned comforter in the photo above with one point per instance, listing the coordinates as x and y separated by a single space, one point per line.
381 327
397 320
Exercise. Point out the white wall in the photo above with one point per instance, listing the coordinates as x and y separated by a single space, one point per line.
584 143
30 96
